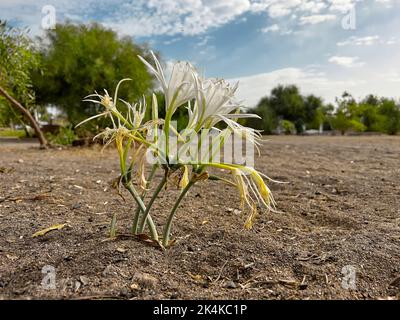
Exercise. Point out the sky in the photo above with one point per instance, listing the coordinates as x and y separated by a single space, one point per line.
323 46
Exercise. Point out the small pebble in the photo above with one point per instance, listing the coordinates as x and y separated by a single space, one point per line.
230 285
84 280
76 206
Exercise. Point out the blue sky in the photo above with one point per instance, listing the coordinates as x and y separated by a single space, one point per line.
324 46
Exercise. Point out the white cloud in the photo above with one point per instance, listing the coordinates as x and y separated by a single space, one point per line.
321 83
348 62
278 10
253 88
171 41
137 18
272 28
317 18
312 6
388 3
392 41
187 17
341 6
203 41
172 17
359 41
392 76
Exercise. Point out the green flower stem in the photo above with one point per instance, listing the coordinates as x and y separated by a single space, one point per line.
149 205
167 124
143 196
166 131
135 222
167 228
139 201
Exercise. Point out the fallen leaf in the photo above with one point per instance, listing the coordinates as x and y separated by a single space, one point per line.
84 280
291 283
44 231
196 277
171 243
144 237
40 197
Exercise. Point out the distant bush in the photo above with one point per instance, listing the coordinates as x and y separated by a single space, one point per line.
12 133
65 136
288 127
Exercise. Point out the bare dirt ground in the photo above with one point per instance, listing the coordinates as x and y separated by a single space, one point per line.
340 208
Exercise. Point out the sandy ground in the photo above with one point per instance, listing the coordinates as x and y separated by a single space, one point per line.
337 235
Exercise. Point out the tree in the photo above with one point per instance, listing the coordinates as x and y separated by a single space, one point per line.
288 104
343 122
373 113
17 60
391 111
268 120
313 111
347 116
81 59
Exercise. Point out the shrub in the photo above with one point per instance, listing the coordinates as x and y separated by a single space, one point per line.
288 127
65 136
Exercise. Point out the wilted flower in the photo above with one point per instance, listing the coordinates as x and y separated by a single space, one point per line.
252 189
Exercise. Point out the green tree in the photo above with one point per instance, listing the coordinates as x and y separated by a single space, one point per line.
314 111
287 103
18 59
369 113
268 120
371 118
81 59
391 111
347 116
288 127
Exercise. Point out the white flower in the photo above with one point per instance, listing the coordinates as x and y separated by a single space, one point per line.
180 87
106 101
136 113
215 102
213 99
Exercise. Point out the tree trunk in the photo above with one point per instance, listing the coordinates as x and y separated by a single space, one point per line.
28 116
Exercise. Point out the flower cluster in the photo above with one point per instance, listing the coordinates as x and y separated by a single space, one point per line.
211 109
